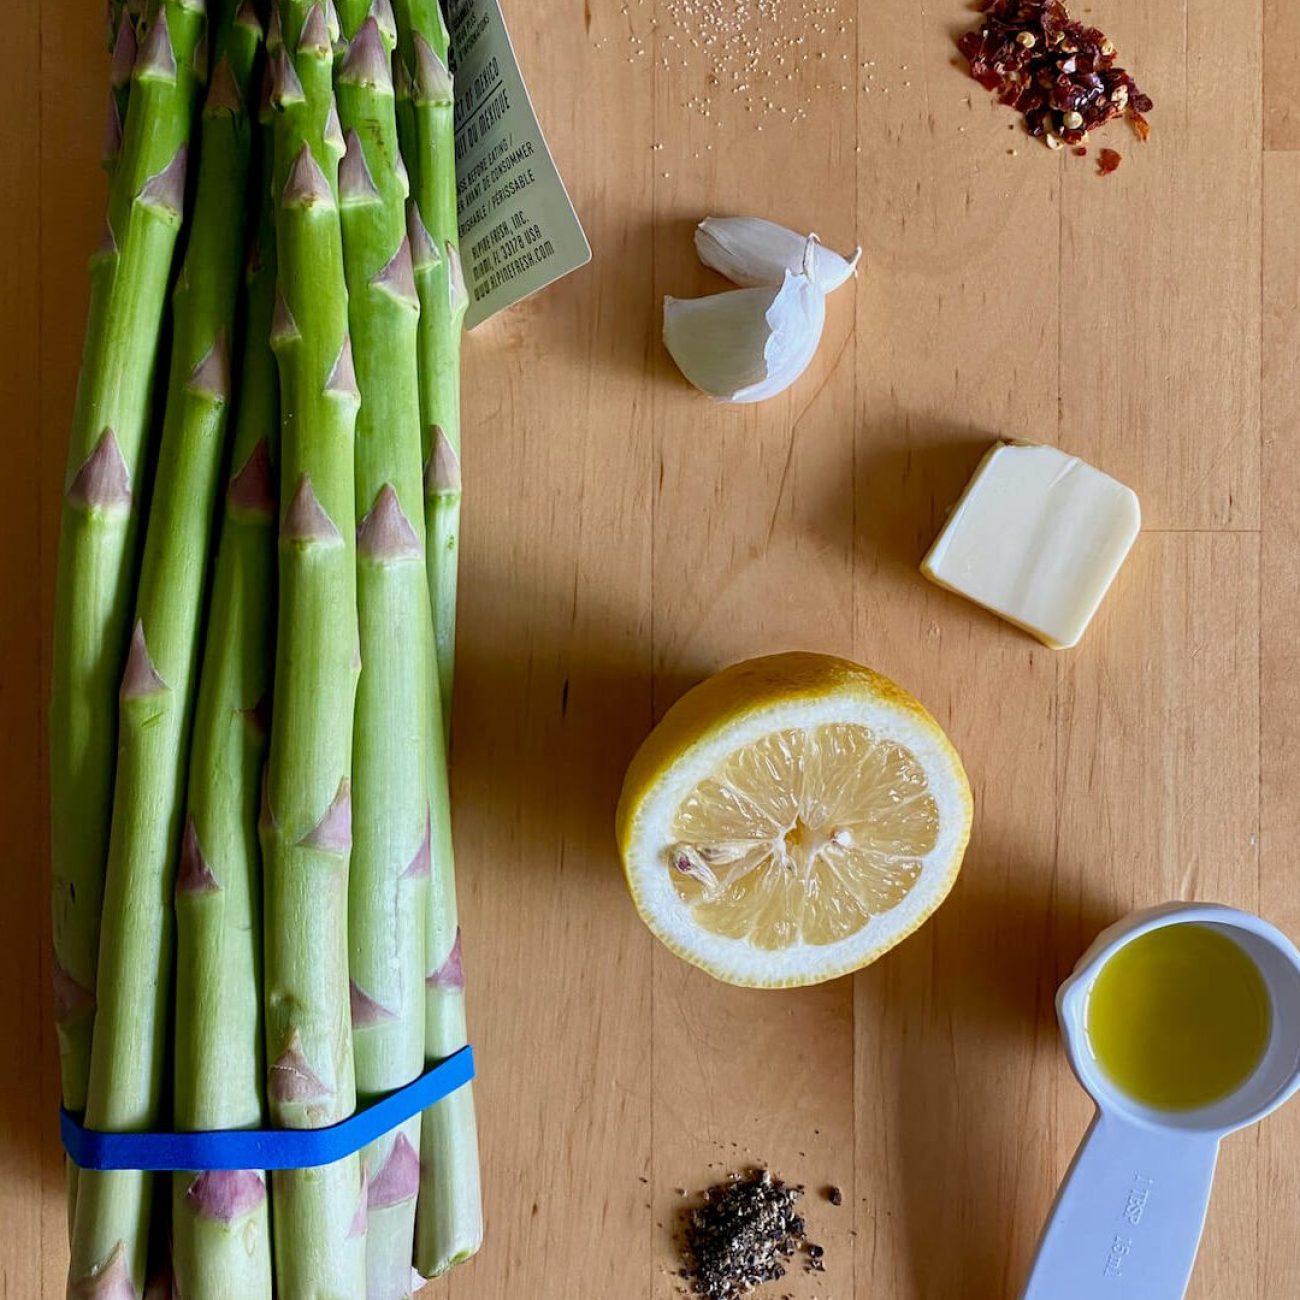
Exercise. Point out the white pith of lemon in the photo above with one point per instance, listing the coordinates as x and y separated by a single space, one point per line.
791 819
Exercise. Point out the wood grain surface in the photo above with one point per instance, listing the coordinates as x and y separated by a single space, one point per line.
624 538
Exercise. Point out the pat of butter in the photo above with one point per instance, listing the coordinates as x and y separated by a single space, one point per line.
1037 537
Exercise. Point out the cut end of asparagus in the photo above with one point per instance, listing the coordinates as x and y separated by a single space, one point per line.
164 193
305 521
397 279
193 874
333 833
431 83
307 186
356 184
156 60
442 474
223 91
343 378
365 1010
141 678
422 864
385 535
367 63
71 999
291 1081
103 482
450 976
110 1281
226 1195
252 487
211 377
399 1179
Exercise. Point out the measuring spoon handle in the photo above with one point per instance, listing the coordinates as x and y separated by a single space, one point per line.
1128 1218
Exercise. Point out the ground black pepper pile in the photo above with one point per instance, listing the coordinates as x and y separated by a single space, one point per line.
1060 75
746 1233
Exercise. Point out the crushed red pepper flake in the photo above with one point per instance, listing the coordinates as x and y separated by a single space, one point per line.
1058 74
1107 161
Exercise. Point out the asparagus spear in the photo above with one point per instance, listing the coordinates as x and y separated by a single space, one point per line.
306 832
428 102
388 896
159 685
98 550
449 1217
221 1233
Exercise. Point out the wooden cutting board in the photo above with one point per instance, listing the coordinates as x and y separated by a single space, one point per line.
624 538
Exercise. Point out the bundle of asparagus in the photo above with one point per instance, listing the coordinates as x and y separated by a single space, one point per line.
254 901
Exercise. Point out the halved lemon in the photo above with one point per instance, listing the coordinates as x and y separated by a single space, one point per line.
791 819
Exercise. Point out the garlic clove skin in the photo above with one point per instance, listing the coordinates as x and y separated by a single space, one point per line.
747 344
752 252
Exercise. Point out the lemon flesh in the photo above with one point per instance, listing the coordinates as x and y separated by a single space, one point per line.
791 819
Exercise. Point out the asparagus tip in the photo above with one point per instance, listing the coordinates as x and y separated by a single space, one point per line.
399 1179
71 999
422 864
111 1280
252 486
307 184
431 83
306 520
165 191
442 473
211 377
125 51
401 78
397 279
343 378
291 1079
315 36
356 184
403 176
275 31
157 57
365 1010
107 246
367 62
223 92
194 875
385 534
103 482
333 833
225 1195
450 976
140 678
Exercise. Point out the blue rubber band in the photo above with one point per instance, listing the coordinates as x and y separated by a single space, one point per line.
265 1148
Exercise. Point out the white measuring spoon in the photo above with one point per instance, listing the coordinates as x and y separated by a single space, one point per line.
1128 1219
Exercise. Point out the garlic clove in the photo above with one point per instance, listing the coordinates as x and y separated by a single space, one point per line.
752 252
747 344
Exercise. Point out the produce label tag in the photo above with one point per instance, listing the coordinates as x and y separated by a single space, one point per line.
518 230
